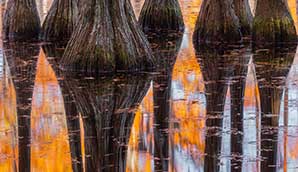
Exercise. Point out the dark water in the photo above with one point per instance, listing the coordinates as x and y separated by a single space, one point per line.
207 110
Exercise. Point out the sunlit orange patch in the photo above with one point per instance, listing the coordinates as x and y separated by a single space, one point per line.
50 147
142 132
8 122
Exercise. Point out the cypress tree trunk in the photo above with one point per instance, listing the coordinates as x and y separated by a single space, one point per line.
21 20
242 10
60 21
217 22
107 39
22 63
161 15
272 69
273 22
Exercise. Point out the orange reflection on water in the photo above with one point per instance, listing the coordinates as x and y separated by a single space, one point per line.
50 148
140 146
8 122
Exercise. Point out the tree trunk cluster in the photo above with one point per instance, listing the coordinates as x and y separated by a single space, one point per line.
229 20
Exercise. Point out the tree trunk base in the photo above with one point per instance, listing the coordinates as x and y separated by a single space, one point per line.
161 16
273 23
21 21
109 41
60 21
274 30
217 23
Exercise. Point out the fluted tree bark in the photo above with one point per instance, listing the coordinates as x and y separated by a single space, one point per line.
21 21
60 21
243 11
107 39
161 15
273 22
217 22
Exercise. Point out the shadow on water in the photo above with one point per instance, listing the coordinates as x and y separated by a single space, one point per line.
22 60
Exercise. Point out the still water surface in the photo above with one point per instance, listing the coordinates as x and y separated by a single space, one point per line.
233 110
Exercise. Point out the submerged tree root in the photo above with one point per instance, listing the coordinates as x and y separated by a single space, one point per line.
161 15
60 21
107 40
217 23
21 21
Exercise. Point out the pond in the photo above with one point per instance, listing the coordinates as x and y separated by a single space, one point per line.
231 109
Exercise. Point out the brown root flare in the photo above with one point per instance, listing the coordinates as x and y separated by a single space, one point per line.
60 21
161 15
243 11
107 38
273 23
21 21
217 23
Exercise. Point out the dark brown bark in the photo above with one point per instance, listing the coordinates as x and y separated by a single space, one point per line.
166 53
22 62
107 106
272 68
242 10
273 22
60 21
107 39
217 22
21 21
161 15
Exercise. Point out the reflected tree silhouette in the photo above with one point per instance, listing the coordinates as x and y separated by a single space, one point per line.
166 53
54 52
107 106
221 68
272 67
21 59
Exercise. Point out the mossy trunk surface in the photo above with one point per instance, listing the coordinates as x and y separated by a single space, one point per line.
60 21
217 23
242 10
21 21
107 39
161 15
273 22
